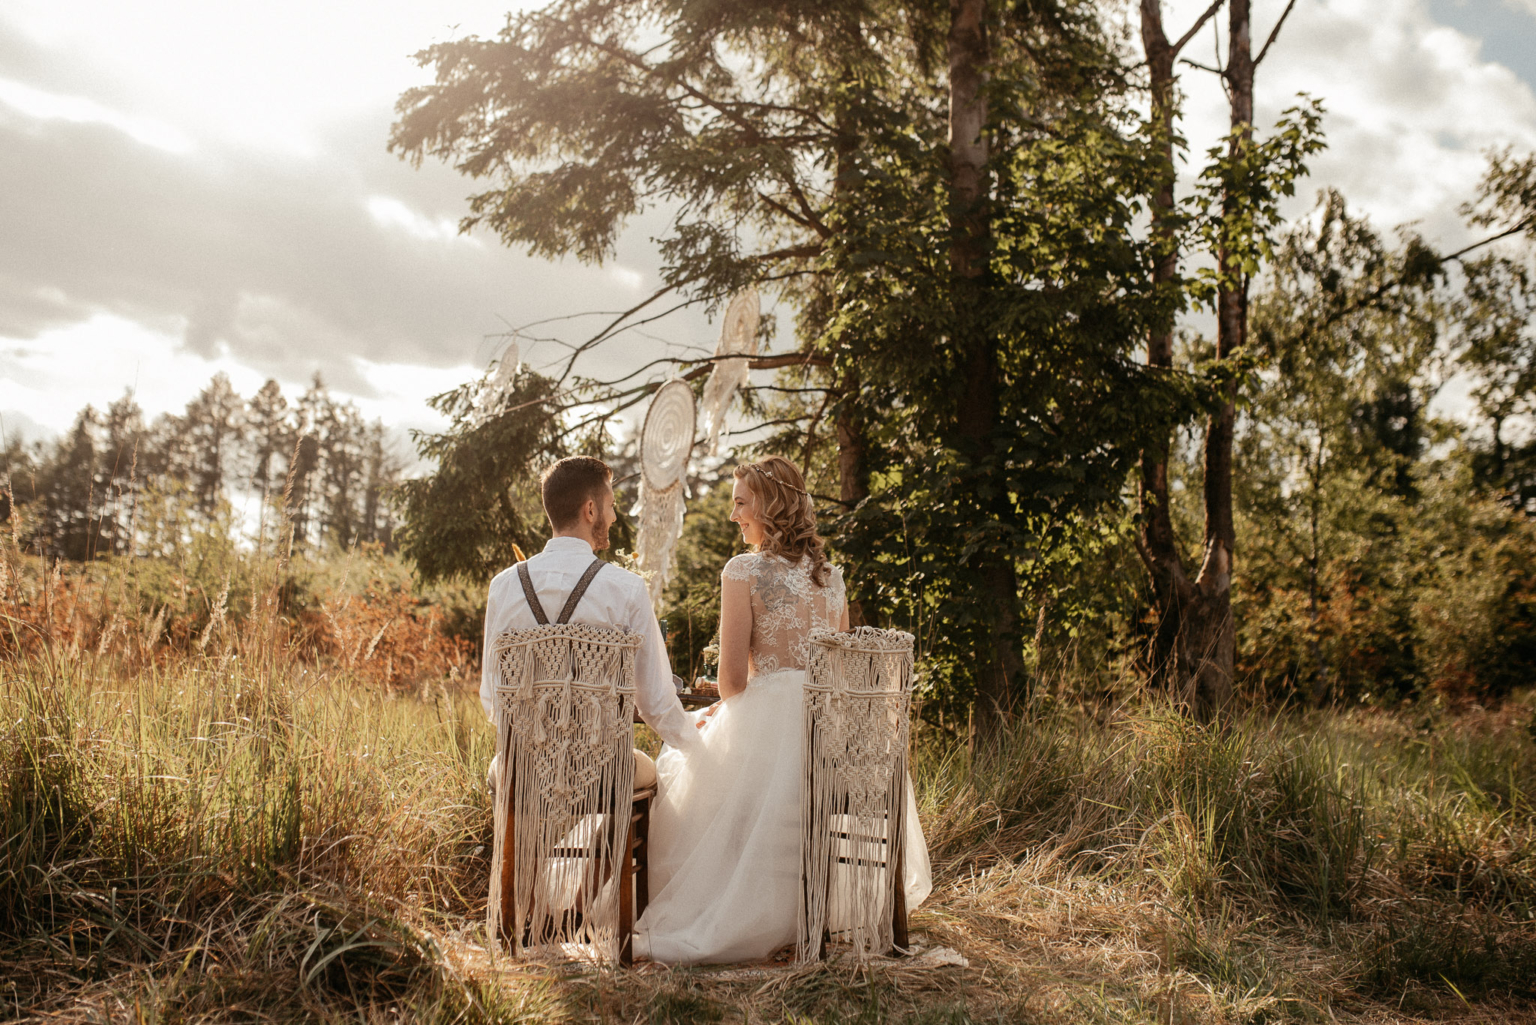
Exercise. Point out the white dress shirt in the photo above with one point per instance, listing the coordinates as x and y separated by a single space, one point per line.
616 597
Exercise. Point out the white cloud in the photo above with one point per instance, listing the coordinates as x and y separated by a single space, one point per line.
390 212
628 277
1411 105
51 377
45 106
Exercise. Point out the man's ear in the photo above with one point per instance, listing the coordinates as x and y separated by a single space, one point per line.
589 511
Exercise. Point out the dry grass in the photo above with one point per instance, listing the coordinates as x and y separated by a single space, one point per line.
239 833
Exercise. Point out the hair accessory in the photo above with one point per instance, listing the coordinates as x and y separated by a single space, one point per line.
776 480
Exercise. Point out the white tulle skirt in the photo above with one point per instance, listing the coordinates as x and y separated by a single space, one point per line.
725 834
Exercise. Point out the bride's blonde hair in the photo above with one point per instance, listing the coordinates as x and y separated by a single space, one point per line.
784 507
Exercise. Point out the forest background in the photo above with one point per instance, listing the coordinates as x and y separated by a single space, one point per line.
1363 518
1097 444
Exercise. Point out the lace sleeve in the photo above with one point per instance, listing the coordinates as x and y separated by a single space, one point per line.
739 568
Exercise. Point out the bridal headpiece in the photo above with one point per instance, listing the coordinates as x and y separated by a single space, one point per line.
779 480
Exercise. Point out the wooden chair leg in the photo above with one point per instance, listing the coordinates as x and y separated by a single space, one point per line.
627 899
898 854
643 859
511 929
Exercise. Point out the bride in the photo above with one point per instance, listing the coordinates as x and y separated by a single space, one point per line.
725 828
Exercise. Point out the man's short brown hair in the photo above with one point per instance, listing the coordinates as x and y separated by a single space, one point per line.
566 487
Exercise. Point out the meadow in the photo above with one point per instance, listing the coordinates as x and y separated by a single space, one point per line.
266 815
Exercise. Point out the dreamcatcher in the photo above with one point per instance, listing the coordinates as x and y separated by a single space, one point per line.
738 334
666 443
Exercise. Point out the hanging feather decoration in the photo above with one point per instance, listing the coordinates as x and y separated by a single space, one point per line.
495 386
738 335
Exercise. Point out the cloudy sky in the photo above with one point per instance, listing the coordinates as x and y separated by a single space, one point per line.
191 187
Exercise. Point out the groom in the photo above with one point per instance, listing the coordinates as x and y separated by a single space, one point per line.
578 499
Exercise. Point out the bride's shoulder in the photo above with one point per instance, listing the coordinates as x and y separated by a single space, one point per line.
742 567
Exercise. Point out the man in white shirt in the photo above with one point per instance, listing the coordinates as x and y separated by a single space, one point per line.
578 499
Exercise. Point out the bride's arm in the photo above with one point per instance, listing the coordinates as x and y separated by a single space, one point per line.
735 634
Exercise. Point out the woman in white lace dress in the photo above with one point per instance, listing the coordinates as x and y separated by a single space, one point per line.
725 829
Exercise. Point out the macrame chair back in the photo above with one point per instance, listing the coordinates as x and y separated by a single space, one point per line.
858 699
564 707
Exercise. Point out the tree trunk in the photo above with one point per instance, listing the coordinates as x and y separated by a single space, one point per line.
1193 649
1000 665
852 474
1171 589
1210 688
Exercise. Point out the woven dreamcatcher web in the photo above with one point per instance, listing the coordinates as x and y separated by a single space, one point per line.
738 334
666 443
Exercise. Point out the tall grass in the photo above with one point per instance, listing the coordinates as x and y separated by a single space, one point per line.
292 828
240 830
1418 839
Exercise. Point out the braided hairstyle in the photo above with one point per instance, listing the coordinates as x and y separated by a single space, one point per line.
789 519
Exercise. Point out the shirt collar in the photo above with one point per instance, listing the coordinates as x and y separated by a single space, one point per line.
568 544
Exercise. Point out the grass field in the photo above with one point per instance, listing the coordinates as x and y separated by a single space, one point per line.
237 838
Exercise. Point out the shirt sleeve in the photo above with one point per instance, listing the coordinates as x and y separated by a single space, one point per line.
488 668
655 696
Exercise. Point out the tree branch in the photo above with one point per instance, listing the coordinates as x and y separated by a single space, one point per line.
805 220
1524 225
1274 33
772 423
613 324
1210 12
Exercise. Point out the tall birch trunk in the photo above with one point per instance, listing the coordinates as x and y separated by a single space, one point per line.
1211 633
1194 647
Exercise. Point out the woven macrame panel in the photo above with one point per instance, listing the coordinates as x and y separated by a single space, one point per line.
564 707
858 699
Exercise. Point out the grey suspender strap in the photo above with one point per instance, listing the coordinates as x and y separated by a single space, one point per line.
581 589
570 603
533 598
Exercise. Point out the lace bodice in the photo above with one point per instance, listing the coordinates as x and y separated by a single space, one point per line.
786 607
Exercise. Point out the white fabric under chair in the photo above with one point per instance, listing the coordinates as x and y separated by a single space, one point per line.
725 834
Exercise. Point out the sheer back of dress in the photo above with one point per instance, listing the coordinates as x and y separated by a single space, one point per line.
786 606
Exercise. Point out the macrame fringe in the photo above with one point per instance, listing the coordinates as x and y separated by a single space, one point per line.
660 514
564 708
858 698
